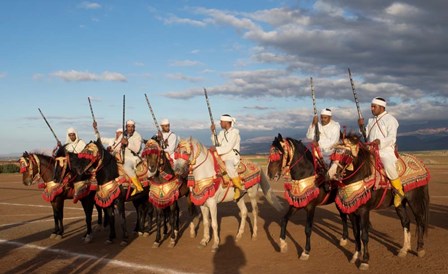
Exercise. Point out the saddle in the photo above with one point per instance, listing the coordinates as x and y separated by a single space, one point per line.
164 194
141 171
299 193
249 173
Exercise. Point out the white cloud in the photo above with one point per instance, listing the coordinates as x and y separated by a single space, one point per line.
89 5
38 76
185 63
171 19
81 76
180 76
401 9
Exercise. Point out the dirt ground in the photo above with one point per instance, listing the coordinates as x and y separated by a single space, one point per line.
26 223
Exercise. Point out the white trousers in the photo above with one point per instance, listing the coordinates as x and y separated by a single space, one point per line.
389 162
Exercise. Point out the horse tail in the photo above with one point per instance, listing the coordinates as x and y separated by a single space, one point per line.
267 191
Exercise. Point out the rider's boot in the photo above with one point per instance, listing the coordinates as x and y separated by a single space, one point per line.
400 194
138 186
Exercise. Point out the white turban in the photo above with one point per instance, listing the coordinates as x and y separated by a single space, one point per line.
379 101
130 122
165 122
228 118
119 129
326 111
71 130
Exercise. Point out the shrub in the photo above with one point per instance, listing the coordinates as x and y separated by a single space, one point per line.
9 168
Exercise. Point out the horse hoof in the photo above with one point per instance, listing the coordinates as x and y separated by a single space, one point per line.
108 242
283 246
421 253
364 266
172 244
254 237
342 242
88 239
215 249
402 253
145 235
192 235
58 237
238 237
304 256
155 245
53 235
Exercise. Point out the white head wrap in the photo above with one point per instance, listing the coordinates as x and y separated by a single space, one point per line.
227 118
165 122
326 111
130 122
379 101
119 129
71 130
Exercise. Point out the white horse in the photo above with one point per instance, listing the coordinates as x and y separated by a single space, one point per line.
193 158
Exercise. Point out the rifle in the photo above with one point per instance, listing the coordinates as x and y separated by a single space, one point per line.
363 130
211 118
48 124
155 120
316 128
93 117
124 128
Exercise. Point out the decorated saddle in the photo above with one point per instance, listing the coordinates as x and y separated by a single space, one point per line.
411 171
299 193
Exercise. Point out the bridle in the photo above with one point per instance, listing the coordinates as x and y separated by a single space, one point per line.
275 154
186 152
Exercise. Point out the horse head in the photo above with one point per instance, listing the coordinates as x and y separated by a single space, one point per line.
36 168
151 153
350 158
276 155
183 156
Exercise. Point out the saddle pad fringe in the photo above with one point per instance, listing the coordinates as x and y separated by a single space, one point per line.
52 189
107 193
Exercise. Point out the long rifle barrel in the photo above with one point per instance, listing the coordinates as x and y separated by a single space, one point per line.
211 117
91 109
48 124
124 127
363 130
162 142
313 96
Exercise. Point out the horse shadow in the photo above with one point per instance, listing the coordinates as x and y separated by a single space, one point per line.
229 259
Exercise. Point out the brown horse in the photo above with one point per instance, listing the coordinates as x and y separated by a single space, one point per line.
39 168
165 189
307 190
363 187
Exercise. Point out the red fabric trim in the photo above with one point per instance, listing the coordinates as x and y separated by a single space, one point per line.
199 200
359 202
22 169
106 202
49 196
301 201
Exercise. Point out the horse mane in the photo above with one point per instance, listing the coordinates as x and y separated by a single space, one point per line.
301 148
365 157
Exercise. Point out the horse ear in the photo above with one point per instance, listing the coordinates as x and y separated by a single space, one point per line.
25 153
280 138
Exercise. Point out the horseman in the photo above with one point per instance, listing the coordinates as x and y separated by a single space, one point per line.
132 144
113 145
329 133
228 148
73 143
168 138
382 131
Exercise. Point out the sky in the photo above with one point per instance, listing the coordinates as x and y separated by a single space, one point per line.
254 57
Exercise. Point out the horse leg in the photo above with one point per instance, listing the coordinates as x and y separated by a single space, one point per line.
214 216
405 223
419 203
160 216
283 224
174 224
206 220
243 212
137 228
191 211
365 223
100 214
87 205
253 202
112 234
58 215
343 240
354 219
310 209
122 212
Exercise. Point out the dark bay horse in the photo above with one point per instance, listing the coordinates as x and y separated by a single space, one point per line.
307 189
113 190
363 187
165 189
41 168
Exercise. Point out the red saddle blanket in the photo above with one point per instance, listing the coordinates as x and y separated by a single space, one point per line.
164 194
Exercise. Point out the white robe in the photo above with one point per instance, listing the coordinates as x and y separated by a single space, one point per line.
329 135
74 146
131 154
170 138
229 149
384 127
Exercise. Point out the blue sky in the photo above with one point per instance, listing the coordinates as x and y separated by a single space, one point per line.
254 57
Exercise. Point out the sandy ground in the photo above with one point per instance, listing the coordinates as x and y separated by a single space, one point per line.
26 223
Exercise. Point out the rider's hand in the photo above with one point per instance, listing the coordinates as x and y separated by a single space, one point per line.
361 122
315 120
376 142
212 148
212 128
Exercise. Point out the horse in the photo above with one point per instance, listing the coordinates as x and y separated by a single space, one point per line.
363 187
165 189
64 186
113 190
307 190
209 187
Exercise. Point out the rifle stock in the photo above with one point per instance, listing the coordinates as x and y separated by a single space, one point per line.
362 128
